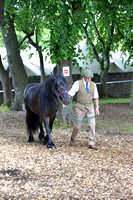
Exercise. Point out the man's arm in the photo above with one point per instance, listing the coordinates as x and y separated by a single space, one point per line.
96 105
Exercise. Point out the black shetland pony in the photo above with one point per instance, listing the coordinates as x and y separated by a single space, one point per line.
41 103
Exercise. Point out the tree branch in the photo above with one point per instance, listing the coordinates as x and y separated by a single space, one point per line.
92 44
111 38
99 37
34 44
27 36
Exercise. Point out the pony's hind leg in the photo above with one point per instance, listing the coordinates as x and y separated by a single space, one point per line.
32 122
41 135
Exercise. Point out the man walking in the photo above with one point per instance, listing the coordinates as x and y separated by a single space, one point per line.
86 92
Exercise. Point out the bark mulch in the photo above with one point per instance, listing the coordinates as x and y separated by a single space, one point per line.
30 171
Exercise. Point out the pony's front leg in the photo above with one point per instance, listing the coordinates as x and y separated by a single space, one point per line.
41 134
31 138
49 142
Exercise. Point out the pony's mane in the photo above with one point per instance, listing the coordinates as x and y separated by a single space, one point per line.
47 85
48 100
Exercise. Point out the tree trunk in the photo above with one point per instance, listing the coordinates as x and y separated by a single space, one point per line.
131 100
39 50
41 67
16 67
104 78
6 85
104 75
62 114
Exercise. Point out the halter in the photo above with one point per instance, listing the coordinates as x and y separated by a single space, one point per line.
61 92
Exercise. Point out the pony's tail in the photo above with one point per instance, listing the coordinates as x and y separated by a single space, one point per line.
32 120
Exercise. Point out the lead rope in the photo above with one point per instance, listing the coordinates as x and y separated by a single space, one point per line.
78 119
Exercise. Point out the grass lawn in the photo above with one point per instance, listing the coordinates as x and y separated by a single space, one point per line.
113 100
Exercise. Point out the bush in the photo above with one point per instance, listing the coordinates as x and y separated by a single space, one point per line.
4 108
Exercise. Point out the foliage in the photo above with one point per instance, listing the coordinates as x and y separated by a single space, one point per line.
108 26
32 24
124 27
64 30
4 108
1 40
104 25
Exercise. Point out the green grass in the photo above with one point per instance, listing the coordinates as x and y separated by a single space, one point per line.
128 127
113 100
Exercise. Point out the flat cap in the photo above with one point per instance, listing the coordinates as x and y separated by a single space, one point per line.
87 73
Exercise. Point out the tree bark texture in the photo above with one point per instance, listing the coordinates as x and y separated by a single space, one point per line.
41 67
16 67
39 50
6 85
104 74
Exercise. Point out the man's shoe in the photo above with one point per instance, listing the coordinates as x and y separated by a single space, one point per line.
93 147
72 142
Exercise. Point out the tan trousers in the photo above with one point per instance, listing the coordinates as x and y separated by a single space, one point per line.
80 115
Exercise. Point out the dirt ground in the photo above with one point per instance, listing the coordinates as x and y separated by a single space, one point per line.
30 171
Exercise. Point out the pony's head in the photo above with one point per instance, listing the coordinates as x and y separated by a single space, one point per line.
60 89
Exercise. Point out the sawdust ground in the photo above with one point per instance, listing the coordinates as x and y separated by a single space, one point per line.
33 172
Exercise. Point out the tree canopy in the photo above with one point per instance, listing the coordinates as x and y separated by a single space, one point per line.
106 25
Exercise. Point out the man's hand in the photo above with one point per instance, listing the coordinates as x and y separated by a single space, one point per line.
97 110
63 105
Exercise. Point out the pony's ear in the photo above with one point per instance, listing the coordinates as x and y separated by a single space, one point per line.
61 74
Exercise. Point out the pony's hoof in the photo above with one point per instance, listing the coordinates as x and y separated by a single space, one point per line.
31 140
52 146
